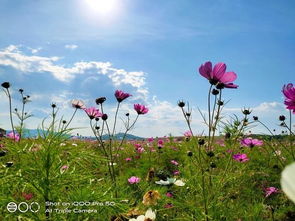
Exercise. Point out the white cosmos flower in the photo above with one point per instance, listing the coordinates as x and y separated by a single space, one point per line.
149 214
288 181
170 181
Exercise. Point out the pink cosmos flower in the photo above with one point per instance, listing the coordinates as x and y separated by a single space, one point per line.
78 104
240 157
133 180
176 172
140 109
160 143
92 112
174 162
15 136
187 134
218 76
249 142
128 159
289 92
169 194
120 95
151 139
140 150
270 190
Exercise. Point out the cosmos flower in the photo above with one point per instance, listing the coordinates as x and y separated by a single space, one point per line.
134 180
92 112
150 140
270 190
176 172
174 162
288 181
78 104
187 134
140 109
169 194
120 95
218 76
128 159
149 216
289 92
170 181
160 143
240 157
249 142
14 136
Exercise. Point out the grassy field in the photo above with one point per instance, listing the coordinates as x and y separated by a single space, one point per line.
70 178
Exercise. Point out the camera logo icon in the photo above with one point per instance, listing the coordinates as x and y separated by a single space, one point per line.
23 207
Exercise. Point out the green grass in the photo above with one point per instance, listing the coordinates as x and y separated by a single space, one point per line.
233 190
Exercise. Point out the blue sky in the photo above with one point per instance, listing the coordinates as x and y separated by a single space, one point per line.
57 51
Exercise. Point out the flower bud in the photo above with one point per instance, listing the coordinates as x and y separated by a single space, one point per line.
6 85
181 104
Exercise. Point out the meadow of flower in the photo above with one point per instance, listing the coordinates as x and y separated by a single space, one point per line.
232 175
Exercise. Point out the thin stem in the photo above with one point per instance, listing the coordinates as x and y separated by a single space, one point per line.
115 119
10 111
217 118
209 110
291 153
71 118
22 118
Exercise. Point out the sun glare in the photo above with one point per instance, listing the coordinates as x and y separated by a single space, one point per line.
102 7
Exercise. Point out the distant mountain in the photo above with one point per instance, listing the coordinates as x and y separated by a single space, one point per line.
29 133
120 136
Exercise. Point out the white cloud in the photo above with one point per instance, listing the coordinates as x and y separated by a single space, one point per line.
13 57
35 50
71 47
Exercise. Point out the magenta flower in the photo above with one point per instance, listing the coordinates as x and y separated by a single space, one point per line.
289 92
240 157
270 190
169 194
120 95
187 134
160 143
174 162
151 139
218 76
140 109
133 180
14 136
92 112
128 159
176 172
140 150
249 142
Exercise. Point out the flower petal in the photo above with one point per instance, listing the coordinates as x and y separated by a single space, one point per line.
288 181
150 214
179 183
206 69
218 71
228 77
